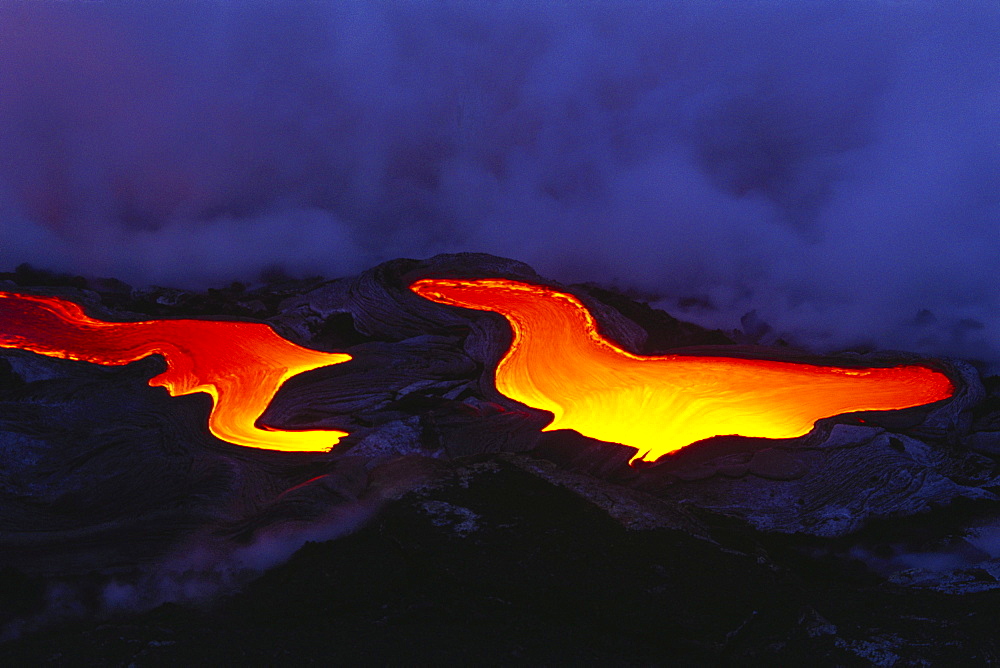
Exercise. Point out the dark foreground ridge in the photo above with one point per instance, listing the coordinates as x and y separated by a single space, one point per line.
496 565
448 529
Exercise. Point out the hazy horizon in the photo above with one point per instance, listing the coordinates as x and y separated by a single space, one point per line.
833 166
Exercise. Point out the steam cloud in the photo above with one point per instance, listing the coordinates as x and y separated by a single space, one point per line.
202 569
833 166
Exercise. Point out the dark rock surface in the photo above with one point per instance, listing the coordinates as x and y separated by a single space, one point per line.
475 533
494 565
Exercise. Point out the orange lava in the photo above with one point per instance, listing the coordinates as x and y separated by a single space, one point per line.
240 364
559 362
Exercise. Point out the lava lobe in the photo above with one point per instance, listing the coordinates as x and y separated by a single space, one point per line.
240 364
559 362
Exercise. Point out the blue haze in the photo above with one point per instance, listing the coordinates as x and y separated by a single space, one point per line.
832 165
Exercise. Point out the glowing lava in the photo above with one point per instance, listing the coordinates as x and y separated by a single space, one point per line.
559 362
240 364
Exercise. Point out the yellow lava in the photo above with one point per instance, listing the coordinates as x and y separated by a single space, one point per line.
559 362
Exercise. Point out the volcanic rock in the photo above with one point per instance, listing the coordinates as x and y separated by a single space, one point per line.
102 474
497 563
986 442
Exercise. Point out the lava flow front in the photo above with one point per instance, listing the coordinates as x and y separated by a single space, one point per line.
559 362
240 364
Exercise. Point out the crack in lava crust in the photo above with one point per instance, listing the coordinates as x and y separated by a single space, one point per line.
240 364
559 362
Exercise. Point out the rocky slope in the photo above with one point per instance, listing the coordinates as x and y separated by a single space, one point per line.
482 536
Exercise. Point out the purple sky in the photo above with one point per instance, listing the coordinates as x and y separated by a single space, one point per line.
834 165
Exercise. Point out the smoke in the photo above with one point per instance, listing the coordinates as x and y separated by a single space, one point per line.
833 166
199 571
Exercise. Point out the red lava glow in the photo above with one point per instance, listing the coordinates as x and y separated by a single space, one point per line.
559 362
240 364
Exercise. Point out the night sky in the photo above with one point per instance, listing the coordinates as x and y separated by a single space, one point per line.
833 165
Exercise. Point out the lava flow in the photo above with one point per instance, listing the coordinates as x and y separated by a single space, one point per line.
559 362
240 364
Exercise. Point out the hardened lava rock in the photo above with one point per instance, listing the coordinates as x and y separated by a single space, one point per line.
98 470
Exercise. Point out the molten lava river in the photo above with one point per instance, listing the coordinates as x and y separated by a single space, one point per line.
240 364
559 362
